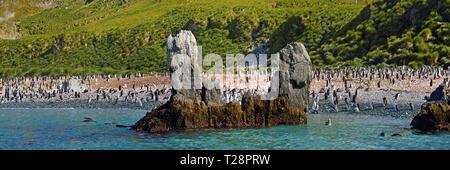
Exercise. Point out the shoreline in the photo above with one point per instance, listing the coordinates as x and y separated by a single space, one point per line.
79 104
325 106
401 87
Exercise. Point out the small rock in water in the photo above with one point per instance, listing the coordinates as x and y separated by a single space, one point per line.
396 134
328 123
382 134
122 126
87 119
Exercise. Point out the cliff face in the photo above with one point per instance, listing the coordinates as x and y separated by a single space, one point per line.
202 108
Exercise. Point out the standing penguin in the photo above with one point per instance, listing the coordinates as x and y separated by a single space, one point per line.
411 105
357 108
394 102
347 104
384 101
354 97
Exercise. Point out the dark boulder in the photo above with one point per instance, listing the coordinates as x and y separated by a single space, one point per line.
123 126
87 119
440 94
397 134
434 116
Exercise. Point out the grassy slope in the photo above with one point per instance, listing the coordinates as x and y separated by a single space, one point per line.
396 32
127 36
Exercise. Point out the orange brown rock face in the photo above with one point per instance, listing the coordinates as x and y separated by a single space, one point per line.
253 112
434 116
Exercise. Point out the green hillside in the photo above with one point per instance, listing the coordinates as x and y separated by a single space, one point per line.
127 36
84 37
395 32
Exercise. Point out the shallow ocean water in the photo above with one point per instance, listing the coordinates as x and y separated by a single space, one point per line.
56 129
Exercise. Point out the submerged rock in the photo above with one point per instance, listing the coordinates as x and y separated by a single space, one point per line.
87 119
434 116
123 126
397 134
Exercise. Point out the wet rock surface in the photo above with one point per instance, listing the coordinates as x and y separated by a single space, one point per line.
434 114
253 112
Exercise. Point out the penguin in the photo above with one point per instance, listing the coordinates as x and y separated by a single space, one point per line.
394 104
354 96
347 104
396 96
371 105
328 122
357 108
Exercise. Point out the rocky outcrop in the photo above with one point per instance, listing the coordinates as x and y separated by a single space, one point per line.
434 116
76 86
196 108
183 49
440 94
185 69
295 75
253 112
9 30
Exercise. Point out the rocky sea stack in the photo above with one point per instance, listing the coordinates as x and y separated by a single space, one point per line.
203 108
435 114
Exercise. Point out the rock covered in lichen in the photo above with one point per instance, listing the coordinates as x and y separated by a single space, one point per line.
434 116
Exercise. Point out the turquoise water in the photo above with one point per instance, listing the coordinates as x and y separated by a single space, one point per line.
65 129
